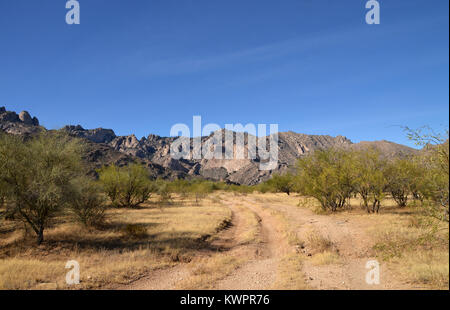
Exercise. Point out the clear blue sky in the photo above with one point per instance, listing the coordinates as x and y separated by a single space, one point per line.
312 66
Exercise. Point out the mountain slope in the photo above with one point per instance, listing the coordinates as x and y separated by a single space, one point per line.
105 147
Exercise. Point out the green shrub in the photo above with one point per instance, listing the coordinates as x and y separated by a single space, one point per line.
163 189
400 180
328 176
127 186
37 174
433 183
88 203
370 179
282 183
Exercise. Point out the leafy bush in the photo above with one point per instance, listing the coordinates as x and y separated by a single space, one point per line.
282 183
127 186
327 175
201 189
38 176
88 203
370 179
400 180
163 189
433 184
265 187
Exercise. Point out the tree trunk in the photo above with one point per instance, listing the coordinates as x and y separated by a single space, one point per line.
40 236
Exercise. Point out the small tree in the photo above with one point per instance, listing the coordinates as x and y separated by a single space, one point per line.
327 176
434 162
180 187
127 186
88 203
38 174
283 183
399 179
201 189
164 191
370 180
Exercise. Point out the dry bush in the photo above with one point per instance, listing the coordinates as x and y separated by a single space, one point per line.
325 258
417 247
318 243
135 231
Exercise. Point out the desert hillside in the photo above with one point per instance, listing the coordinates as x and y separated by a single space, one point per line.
105 147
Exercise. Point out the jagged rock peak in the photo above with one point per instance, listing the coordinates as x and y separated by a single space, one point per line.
99 135
24 117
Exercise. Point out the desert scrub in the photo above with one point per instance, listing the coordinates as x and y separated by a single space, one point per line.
290 275
417 248
325 258
135 231
317 243
206 271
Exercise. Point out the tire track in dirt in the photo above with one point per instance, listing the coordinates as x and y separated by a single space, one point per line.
352 243
260 272
226 240
162 279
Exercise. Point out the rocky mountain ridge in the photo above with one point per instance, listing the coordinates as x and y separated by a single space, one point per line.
154 151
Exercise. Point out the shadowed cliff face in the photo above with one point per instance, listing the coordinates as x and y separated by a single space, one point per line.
18 124
105 148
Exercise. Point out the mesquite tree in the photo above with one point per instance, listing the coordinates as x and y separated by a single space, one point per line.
38 174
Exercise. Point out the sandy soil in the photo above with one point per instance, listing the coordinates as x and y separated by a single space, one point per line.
348 236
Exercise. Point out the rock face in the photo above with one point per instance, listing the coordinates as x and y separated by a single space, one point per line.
98 135
105 148
21 124
25 117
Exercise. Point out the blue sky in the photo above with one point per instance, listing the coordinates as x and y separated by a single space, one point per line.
311 66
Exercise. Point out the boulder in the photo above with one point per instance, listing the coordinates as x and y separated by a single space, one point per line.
25 117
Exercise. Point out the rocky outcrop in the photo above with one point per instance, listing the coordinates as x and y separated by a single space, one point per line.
105 148
98 135
18 124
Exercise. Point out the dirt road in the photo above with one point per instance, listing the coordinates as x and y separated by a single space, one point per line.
265 252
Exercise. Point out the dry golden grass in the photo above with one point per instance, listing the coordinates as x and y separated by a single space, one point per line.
207 271
251 222
325 258
290 275
416 247
136 241
318 243
132 243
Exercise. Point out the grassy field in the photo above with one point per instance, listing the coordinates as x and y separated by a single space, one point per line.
132 243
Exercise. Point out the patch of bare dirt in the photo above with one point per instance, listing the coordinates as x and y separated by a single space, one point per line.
350 241
261 272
